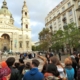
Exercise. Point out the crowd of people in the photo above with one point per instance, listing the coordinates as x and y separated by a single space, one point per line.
52 68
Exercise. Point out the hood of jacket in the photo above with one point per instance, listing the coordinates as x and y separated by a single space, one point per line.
33 71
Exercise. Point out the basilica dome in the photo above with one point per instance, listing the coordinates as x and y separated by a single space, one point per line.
4 9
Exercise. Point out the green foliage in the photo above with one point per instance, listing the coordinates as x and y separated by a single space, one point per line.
33 48
45 39
70 35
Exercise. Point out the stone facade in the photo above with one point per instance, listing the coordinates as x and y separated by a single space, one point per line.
11 37
66 9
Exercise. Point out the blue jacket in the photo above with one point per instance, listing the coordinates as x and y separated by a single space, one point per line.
33 74
70 73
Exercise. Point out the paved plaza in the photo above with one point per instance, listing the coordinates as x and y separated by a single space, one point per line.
29 60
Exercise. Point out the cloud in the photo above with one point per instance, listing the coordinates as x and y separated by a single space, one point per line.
38 10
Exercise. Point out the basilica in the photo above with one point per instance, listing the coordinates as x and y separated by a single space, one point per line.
11 37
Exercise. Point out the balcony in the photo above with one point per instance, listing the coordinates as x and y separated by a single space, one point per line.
64 19
78 9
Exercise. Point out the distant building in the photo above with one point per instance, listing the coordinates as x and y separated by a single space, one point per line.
37 43
65 12
11 37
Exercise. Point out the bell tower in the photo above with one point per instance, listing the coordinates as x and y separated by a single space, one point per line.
25 17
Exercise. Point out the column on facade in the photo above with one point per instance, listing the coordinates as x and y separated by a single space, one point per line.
10 44
57 24
14 42
23 42
74 15
17 43
65 49
67 17
62 22
13 49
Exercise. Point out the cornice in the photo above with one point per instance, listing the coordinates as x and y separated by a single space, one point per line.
56 17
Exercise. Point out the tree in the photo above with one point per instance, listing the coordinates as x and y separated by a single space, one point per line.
45 39
57 40
69 37
33 48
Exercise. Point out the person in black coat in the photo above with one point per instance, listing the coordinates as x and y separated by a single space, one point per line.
74 65
15 75
59 54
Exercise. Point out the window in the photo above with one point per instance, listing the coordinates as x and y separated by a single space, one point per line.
27 44
59 25
63 8
0 21
50 18
58 12
26 26
26 13
20 44
60 28
59 19
55 23
71 20
70 12
64 15
69 4
55 27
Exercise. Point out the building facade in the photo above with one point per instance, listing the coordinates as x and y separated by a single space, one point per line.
68 11
12 37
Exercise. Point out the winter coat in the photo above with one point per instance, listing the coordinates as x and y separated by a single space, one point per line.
15 75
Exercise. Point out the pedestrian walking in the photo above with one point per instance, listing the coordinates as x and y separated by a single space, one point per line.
59 54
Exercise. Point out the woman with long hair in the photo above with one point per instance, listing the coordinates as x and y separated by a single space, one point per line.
60 67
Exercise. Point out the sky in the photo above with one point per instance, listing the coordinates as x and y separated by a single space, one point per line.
38 10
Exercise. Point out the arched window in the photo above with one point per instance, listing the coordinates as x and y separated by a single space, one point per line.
26 13
26 26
